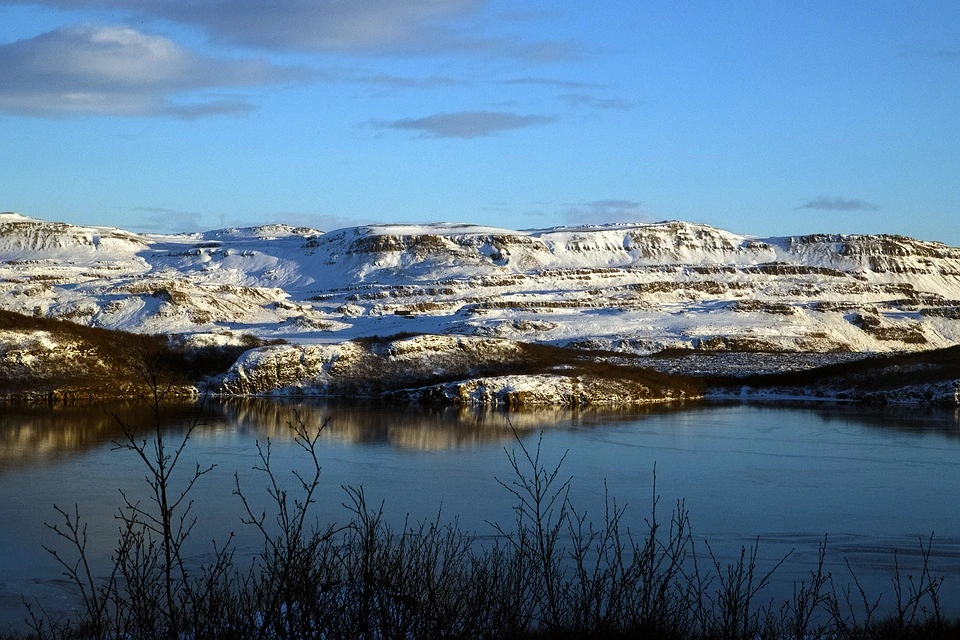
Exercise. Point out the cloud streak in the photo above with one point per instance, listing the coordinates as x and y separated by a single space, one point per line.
584 100
607 211
465 124
547 51
403 82
550 82
321 221
826 203
117 70
331 25
323 25
386 27
163 220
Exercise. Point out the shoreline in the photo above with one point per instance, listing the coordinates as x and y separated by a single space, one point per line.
86 397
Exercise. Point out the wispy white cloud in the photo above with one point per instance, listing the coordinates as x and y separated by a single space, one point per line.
605 211
465 124
117 70
839 204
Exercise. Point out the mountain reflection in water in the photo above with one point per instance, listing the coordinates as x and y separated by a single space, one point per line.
37 435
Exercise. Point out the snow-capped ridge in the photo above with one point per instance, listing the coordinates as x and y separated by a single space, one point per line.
636 287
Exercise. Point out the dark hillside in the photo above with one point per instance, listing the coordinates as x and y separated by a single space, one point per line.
876 373
43 358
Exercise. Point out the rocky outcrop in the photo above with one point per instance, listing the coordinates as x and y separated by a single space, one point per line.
539 390
934 394
942 394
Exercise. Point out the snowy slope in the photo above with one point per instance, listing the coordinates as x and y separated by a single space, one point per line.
632 287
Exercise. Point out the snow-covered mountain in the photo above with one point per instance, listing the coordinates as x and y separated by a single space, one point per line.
636 288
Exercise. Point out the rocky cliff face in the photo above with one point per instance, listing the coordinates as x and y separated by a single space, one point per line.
635 288
445 370
366 368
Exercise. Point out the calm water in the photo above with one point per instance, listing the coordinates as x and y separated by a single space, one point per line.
875 480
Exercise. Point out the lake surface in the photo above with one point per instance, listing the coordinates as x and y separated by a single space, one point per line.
875 480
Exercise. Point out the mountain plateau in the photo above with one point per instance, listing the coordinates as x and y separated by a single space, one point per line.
628 290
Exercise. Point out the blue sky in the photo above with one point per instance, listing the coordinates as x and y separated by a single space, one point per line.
761 118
